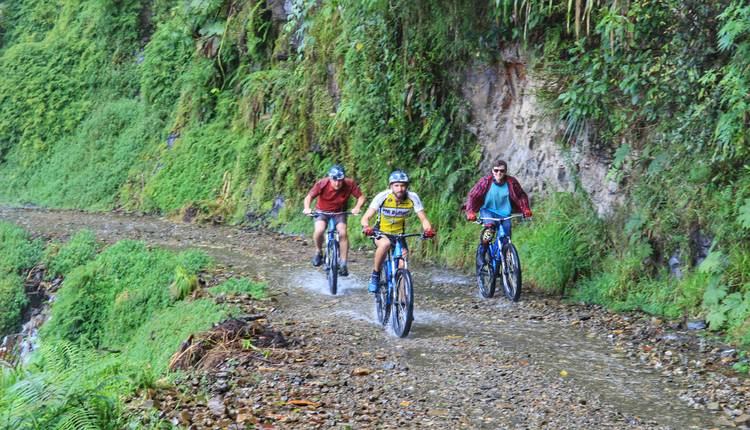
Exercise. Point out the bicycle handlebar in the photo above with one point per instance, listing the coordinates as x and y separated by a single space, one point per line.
481 220
400 235
311 214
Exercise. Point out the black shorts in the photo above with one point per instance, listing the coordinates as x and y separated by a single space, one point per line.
393 239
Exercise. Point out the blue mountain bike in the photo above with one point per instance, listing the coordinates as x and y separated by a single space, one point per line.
498 261
395 295
332 251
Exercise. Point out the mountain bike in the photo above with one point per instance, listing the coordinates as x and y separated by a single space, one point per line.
499 261
395 295
332 252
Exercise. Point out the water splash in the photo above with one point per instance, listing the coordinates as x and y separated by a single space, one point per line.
316 281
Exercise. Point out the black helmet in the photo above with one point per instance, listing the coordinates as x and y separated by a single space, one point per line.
398 176
336 172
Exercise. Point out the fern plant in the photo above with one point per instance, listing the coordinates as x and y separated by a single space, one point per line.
66 388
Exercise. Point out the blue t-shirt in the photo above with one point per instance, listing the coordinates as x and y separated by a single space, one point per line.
497 200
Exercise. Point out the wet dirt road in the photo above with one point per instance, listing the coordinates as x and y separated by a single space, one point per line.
468 362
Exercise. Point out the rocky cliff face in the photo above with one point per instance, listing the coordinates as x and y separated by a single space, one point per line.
510 122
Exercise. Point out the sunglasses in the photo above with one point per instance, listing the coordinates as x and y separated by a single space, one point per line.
498 170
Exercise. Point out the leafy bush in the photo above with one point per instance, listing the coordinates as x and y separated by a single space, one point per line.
563 244
61 259
107 299
12 302
17 250
255 290
184 283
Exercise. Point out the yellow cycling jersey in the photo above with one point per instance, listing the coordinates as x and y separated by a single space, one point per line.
392 213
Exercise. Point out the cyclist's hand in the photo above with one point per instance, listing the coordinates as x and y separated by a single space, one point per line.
471 216
428 233
356 211
368 231
527 213
307 211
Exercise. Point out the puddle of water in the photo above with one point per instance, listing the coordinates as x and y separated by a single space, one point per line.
358 315
316 281
439 276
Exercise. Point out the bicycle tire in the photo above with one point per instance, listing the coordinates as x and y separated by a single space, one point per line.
486 278
332 255
382 304
403 304
512 275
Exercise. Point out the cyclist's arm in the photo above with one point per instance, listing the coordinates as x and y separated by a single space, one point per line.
313 193
307 203
358 206
425 222
365 221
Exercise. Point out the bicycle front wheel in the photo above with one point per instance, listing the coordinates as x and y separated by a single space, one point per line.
332 263
382 302
512 275
403 304
485 273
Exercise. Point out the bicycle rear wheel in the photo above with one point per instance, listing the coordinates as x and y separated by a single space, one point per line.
332 264
382 304
512 275
485 273
403 304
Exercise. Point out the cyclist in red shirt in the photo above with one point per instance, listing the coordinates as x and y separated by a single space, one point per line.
333 193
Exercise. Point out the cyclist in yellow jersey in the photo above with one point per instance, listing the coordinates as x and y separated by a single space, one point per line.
392 206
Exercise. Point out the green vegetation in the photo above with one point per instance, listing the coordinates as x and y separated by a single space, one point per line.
235 286
17 252
62 258
564 243
229 110
114 326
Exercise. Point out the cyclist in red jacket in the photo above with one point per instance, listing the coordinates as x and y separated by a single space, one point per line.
496 196
333 193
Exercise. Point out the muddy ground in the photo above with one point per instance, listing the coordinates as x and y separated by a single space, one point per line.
468 362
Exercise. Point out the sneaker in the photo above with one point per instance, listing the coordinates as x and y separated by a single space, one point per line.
343 270
317 260
374 281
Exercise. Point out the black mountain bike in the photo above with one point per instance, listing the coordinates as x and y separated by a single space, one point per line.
332 252
499 261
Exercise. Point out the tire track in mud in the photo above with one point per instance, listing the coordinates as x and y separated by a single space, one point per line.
468 362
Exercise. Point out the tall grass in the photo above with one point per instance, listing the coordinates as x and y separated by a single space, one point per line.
563 244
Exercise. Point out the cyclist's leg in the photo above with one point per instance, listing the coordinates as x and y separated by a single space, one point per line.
404 253
343 244
343 237
319 228
507 230
383 245
488 232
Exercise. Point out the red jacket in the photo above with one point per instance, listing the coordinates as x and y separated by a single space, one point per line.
519 201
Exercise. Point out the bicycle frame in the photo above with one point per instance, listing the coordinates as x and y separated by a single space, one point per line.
496 247
331 249
395 297
333 234
493 263
395 256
